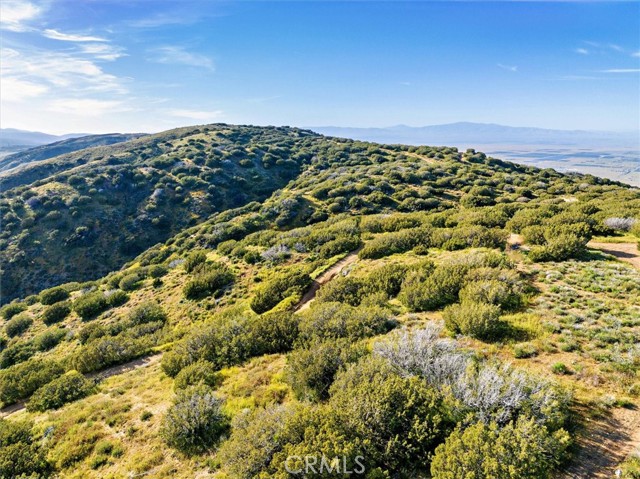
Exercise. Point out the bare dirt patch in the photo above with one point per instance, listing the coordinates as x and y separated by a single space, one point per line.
627 252
324 278
604 444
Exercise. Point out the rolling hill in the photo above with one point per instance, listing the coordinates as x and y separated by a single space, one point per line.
394 306
61 147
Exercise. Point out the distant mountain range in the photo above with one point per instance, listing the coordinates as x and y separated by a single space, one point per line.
472 135
47 151
10 138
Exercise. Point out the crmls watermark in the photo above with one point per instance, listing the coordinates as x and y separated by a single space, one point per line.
322 464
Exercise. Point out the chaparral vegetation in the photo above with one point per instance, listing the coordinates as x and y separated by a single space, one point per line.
212 301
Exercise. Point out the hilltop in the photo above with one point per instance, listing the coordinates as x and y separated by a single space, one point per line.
311 294
50 150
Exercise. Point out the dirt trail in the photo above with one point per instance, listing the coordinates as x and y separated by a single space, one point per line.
99 375
605 443
325 277
627 252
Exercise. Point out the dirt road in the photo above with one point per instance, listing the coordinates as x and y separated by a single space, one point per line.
325 277
604 444
627 252
99 375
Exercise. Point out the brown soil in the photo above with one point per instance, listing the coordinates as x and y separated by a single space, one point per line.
604 444
325 277
627 252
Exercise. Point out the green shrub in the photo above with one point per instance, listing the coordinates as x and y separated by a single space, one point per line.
278 287
53 295
147 312
49 339
223 341
21 454
342 244
157 271
200 372
20 381
478 320
106 352
56 312
194 259
401 418
129 282
559 248
387 279
346 290
524 350
116 298
90 305
524 450
208 280
336 320
195 422
310 371
490 291
428 289
17 352
65 389
534 235
560 368
18 325
396 242
8 311
273 332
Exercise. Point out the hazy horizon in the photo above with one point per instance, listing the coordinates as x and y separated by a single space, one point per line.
106 66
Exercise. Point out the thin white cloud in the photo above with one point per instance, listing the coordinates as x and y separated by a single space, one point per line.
103 51
615 47
160 20
196 114
173 55
71 37
14 14
59 72
579 77
582 51
510 68
636 54
621 70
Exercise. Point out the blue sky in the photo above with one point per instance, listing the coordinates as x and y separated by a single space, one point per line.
102 66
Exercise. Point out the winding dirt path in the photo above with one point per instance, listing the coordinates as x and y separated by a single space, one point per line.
604 444
627 252
98 375
324 278
145 361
